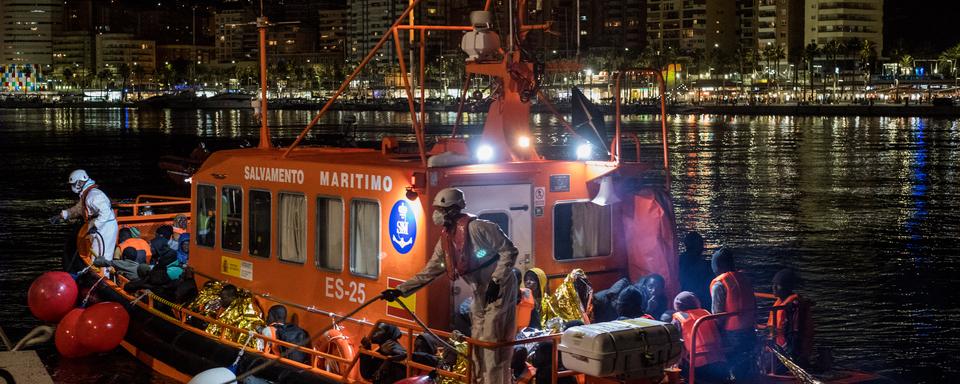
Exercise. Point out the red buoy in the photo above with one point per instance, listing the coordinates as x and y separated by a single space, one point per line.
52 295
66 340
102 326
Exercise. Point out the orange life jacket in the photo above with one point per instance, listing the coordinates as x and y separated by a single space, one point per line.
141 245
272 348
457 247
709 347
739 299
524 308
528 374
781 316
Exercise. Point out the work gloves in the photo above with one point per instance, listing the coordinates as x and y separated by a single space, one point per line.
493 292
391 294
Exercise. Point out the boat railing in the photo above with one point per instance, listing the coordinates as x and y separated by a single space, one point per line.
473 345
692 354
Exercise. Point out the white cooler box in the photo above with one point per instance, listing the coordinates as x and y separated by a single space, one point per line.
635 348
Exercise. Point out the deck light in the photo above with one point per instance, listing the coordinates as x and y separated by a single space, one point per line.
584 151
524 142
485 153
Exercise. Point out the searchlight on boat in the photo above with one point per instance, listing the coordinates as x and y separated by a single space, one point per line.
584 151
524 142
485 153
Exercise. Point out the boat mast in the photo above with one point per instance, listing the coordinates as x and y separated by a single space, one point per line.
262 25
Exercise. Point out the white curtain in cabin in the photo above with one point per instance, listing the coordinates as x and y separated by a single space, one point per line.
365 238
293 228
590 230
330 233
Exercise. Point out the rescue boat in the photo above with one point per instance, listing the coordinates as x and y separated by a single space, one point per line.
322 230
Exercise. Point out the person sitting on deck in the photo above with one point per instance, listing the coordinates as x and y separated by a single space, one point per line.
376 369
629 304
140 247
278 328
536 281
525 304
160 244
605 301
425 350
709 364
792 324
655 297
523 372
732 291
179 228
695 273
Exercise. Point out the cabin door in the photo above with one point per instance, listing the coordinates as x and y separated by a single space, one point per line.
511 207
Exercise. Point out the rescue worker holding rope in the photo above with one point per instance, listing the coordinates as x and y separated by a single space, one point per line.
479 252
94 207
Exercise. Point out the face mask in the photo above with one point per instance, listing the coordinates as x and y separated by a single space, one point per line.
75 188
438 217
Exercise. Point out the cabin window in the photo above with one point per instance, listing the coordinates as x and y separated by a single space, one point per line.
365 238
580 230
330 233
231 218
206 215
259 224
292 225
501 218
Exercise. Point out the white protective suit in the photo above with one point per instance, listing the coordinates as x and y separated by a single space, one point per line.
99 214
489 321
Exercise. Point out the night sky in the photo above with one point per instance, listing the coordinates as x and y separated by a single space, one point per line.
920 26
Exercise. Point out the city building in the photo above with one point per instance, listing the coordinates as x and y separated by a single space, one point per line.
332 30
616 25
236 38
369 19
687 26
201 54
113 49
27 29
74 50
780 23
842 21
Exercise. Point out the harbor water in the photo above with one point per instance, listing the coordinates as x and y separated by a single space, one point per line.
866 209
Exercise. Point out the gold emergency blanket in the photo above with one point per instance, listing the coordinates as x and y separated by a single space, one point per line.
207 302
564 305
242 313
460 367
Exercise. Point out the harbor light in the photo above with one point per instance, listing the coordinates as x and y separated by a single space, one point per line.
583 151
485 153
524 142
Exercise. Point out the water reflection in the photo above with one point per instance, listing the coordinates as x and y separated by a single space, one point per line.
867 209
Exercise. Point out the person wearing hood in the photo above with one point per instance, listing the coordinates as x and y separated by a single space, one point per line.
732 291
95 208
695 273
278 328
376 369
525 304
479 252
629 304
425 350
536 281
605 301
710 363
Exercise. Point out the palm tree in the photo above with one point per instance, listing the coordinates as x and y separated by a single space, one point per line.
868 54
103 76
124 71
810 53
950 56
68 76
138 73
833 50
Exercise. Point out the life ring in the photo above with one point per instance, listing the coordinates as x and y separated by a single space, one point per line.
336 343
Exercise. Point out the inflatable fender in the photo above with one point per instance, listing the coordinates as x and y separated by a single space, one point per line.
335 343
217 375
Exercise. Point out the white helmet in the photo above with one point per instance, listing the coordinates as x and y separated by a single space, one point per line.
449 197
78 178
